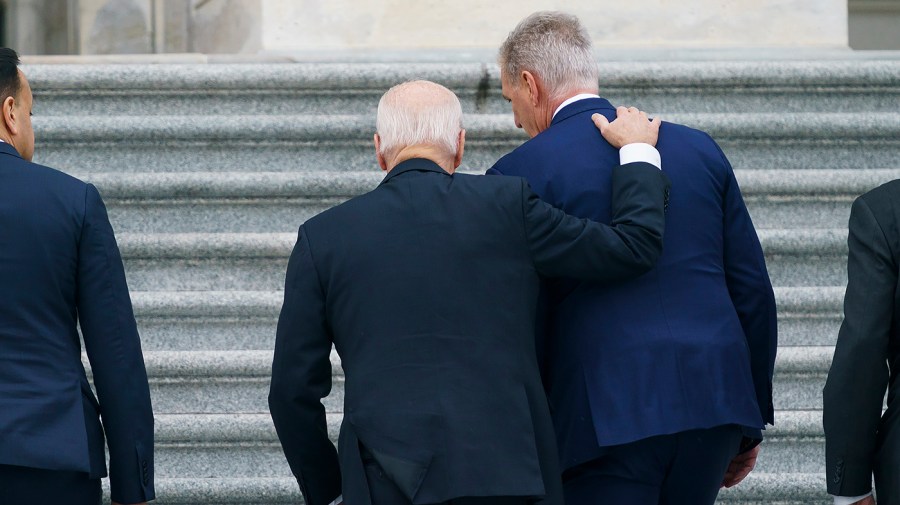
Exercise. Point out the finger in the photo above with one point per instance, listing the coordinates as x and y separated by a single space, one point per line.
600 121
656 122
621 111
644 116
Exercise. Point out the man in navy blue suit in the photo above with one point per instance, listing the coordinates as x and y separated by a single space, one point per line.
60 266
659 386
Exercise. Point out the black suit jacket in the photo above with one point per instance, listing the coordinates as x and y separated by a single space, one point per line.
60 267
427 287
859 439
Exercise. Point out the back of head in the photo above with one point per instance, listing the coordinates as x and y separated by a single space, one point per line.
9 74
418 113
556 47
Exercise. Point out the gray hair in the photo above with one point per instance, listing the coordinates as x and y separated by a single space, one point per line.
554 46
416 113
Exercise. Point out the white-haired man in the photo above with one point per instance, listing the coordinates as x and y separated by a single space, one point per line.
655 384
426 286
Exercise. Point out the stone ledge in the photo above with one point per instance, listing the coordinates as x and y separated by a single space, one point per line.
258 364
820 300
336 129
757 182
205 245
93 77
165 246
242 364
813 182
206 303
791 300
803 360
768 489
216 429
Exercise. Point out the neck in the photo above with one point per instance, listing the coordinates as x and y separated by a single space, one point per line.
435 154
556 102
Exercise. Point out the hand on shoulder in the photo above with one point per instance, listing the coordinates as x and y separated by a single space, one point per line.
630 126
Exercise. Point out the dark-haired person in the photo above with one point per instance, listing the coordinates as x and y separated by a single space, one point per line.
861 441
60 267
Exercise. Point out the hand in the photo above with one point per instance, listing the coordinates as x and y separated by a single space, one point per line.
740 467
629 127
868 500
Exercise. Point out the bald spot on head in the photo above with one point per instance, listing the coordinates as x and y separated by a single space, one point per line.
419 114
419 97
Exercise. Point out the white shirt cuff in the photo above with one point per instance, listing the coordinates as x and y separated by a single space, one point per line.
338 501
847 500
631 153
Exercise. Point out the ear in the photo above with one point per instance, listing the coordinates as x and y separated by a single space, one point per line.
533 90
460 147
378 156
9 115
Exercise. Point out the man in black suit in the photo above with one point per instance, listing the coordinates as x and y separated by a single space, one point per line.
60 267
427 287
859 440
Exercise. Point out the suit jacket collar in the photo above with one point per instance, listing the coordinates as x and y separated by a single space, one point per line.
414 165
581 106
9 149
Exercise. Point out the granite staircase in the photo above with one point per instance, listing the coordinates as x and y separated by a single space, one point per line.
208 170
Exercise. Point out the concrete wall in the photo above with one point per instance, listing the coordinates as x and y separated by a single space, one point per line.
314 24
285 26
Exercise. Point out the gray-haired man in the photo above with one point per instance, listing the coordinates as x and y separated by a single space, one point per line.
655 384
426 286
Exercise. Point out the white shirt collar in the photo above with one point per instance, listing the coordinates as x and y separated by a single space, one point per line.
574 99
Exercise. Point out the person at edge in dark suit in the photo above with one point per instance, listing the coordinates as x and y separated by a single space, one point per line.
860 440
60 267
660 385
427 288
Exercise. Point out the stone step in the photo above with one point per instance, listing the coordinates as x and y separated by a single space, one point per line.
343 142
236 445
280 201
800 374
168 202
221 382
849 85
257 261
245 320
206 261
755 182
221 491
756 489
234 333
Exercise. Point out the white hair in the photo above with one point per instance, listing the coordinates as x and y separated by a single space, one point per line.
416 113
554 46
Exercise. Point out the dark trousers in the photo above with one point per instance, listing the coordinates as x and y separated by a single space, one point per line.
683 468
21 485
383 491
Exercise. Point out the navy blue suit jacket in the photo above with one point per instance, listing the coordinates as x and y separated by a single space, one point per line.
59 266
690 344
427 287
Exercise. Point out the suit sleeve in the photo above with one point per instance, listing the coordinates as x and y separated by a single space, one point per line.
566 246
301 377
751 293
114 350
854 390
